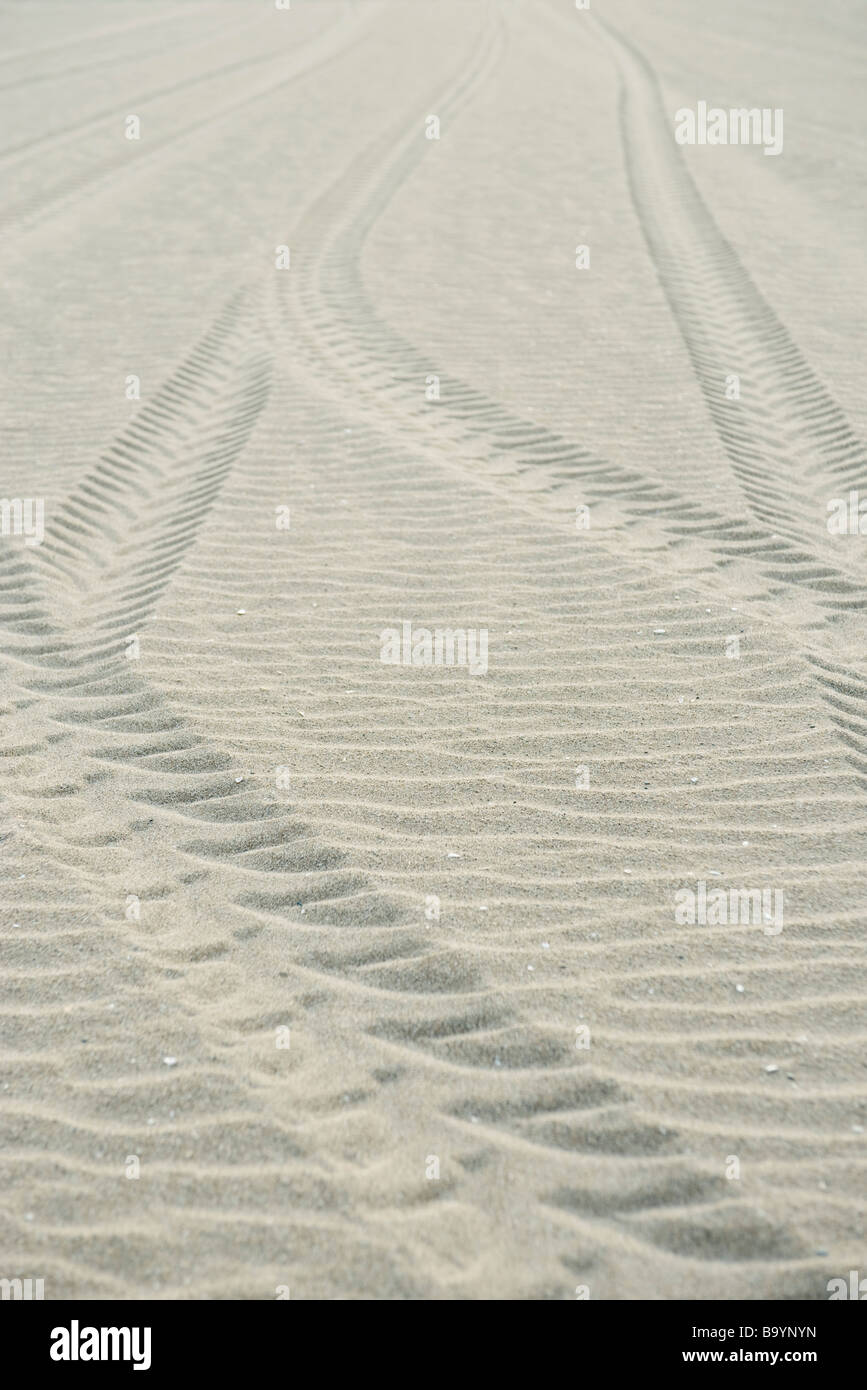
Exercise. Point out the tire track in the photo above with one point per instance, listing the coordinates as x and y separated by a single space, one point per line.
786 429
350 353
97 746
117 56
106 559
19 54
414 999
332 319
31 209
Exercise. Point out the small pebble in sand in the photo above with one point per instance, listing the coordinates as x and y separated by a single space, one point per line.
739 988
242 610
239 779
771 1067
531 967
170 1061
452 854
546 946
857 1129
659 632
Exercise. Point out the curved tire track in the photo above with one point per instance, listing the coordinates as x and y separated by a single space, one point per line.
325 318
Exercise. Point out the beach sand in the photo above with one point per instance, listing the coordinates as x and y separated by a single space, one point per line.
332 978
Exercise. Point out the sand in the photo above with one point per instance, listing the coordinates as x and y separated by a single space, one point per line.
325 977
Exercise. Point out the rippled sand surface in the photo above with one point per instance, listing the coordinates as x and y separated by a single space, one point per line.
341 978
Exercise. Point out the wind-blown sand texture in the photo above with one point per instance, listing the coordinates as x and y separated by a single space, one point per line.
243 830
